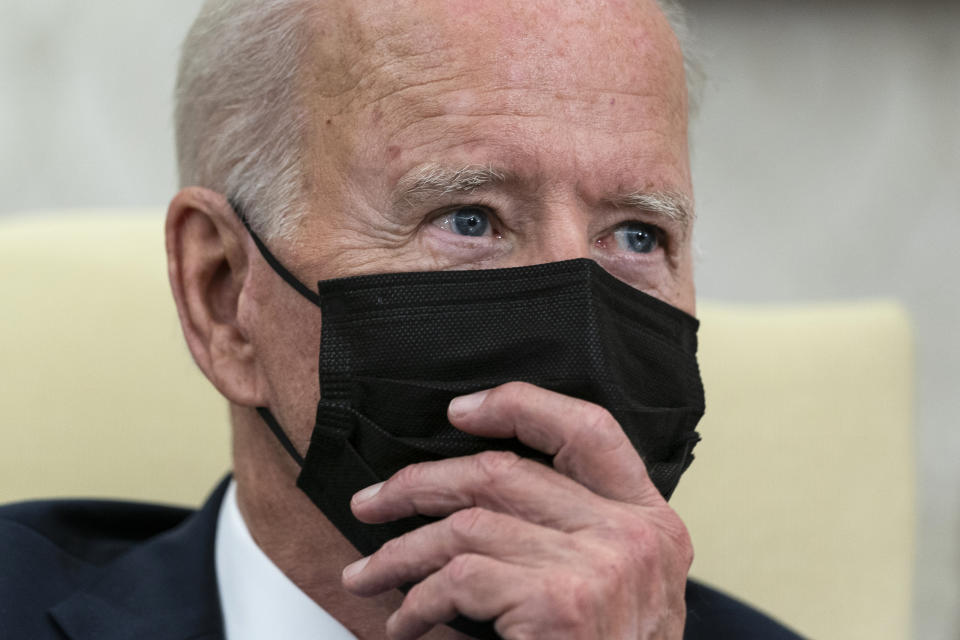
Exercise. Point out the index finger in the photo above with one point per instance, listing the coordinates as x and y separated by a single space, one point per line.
587 443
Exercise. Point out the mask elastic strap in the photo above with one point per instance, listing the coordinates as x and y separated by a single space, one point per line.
279 433
275 264
303 290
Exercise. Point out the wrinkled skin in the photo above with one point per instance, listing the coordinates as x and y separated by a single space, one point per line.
511 546
574 106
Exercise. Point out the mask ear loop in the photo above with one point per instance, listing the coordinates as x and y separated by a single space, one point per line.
281 436
275 264
300 288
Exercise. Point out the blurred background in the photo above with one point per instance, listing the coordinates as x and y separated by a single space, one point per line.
826 160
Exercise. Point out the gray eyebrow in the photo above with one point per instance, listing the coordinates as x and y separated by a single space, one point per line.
434 180
669 204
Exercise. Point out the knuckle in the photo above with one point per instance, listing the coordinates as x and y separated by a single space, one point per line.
686 556
652 542
393 548
598 416
581 601
496 465
461 569
413 602
646 547
467 524
609 565
674 534
642 534
608 574
571 598
514 390
602 426
635 538
685 545
410 475
596 430
511 396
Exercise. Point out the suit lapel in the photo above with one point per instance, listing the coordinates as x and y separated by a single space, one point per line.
163 589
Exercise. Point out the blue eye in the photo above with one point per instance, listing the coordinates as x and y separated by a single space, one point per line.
467 221
638 237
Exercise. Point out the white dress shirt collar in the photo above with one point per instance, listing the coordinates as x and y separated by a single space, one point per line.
257 599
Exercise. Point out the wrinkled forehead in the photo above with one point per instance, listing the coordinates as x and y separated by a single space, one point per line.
366 52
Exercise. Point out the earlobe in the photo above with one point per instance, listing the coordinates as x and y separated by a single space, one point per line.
208 261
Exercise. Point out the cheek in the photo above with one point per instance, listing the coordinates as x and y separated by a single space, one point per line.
666 277
284 330
684 291
294 388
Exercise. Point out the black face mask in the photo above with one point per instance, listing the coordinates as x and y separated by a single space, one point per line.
396 348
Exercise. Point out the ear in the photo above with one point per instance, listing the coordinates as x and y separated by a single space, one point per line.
208 264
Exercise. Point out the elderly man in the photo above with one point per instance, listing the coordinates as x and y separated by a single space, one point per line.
488 193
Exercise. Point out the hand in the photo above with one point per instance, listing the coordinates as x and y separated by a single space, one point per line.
586 549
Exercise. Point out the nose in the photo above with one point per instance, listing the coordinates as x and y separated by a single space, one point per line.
560 233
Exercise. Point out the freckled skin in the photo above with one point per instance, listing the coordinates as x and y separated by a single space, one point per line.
481 83
579 108
579 99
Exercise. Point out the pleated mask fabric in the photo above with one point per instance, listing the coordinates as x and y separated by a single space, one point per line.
396 348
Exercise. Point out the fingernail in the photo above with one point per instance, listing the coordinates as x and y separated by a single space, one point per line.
465 404
353 569
365 494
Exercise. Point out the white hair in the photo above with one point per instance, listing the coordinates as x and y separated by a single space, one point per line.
242 121
693 70
242 125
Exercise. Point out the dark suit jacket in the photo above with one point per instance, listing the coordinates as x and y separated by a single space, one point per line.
102 570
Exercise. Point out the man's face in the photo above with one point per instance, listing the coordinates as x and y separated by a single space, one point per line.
479 135
563 116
